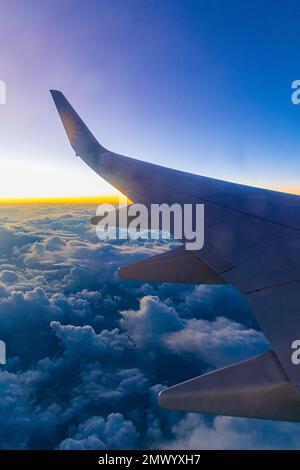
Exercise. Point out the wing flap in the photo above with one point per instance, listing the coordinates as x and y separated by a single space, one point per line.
255 388
176 266
277 312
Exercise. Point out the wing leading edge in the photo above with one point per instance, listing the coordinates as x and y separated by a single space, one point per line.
252 241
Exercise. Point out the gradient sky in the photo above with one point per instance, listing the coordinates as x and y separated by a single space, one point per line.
203 86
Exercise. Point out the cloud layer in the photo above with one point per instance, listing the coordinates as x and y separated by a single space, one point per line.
88 354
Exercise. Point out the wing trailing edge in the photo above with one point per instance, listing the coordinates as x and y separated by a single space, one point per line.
176 266
255 388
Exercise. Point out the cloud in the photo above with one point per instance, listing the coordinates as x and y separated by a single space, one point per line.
114 432
217 301
11 239
54 243
151 321
24 423
218 342
196 432
4 291
8 277
88 353
85 344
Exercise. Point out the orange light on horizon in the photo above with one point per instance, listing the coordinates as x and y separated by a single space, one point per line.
94 200
284 189
100 199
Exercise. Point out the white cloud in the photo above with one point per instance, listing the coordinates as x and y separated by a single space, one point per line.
217 342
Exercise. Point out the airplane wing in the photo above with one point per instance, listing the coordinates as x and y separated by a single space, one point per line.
252 241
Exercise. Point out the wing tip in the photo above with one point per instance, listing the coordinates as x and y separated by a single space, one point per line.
58 98
55 92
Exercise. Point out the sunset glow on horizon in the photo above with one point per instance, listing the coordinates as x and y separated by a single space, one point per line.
80 200
249 133
95 199
180 121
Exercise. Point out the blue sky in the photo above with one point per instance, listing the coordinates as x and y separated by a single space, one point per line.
200 86
203 86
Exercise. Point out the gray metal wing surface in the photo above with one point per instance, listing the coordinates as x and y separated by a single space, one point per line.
252 241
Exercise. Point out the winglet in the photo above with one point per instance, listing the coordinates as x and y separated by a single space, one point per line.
81 139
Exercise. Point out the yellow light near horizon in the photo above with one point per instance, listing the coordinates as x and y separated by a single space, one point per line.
27 180
284 189
93 200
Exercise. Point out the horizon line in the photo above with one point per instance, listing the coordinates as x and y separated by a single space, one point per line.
107 198
104 198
